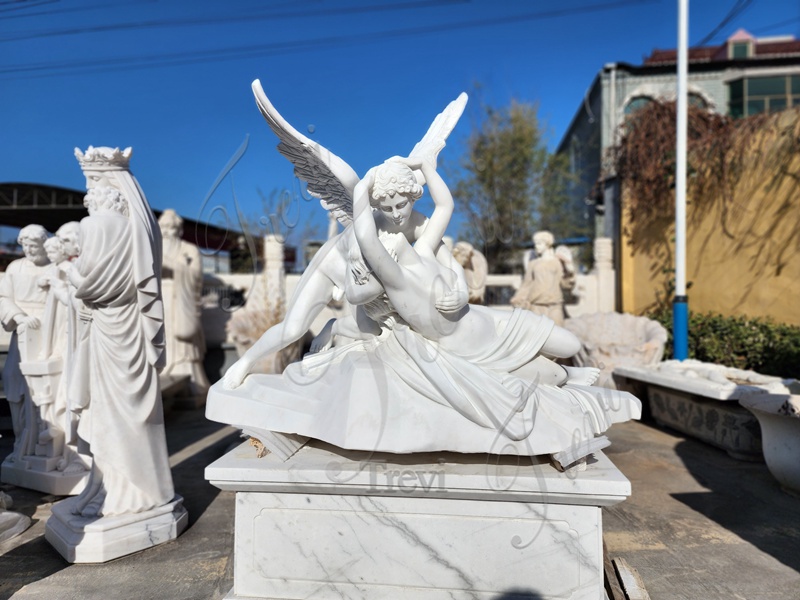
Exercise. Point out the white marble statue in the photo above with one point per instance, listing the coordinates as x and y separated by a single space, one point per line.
70 236
182 273
476 269
546 277
59 332
417 378
129 502
332 180
46 460
22 303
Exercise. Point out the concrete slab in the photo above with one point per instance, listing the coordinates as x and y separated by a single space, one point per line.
700 524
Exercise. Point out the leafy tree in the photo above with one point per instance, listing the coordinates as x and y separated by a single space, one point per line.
511 185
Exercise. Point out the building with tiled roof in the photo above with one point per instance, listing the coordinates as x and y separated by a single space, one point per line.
743 76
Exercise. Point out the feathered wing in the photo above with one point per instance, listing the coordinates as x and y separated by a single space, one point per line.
434 140
329 178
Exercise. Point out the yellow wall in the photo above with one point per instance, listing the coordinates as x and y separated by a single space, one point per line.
743 255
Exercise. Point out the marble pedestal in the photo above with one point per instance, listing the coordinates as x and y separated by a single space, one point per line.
96 540
335 523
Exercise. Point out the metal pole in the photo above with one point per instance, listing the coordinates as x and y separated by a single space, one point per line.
680 306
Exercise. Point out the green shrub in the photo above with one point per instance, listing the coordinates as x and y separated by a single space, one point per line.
742 342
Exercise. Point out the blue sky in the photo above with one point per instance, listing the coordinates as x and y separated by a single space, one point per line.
171 78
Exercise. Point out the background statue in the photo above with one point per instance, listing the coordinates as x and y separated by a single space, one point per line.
182 265
476 269
70 236
546 278
22 304
58 332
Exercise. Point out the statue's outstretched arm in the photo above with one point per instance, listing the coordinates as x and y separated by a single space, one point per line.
313 294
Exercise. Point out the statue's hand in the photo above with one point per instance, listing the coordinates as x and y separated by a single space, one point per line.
412 162
452 301
235 375
28 321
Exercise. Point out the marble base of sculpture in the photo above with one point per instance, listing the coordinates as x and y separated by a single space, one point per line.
41 474
95 540
335 523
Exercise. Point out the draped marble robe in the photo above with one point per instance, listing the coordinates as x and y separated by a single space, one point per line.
124 421
20 294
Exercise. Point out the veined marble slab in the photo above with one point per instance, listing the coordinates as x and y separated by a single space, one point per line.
332 523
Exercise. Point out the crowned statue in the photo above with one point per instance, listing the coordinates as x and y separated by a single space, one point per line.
118 354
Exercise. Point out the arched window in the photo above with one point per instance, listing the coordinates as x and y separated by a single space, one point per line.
697 100
636 104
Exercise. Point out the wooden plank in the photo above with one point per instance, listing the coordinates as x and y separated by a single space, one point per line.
632 583
613 589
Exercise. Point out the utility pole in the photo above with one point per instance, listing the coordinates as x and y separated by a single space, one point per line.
680 305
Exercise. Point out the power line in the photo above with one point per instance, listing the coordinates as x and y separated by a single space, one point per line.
224 54
738 8
72 9
775 26
184 22
24 4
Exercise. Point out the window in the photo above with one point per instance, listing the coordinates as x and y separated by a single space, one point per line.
740 50
636 104
763 94
697 100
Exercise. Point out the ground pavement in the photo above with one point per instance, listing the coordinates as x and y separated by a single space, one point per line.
699 526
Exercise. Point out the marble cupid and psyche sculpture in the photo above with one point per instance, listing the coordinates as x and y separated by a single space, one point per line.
415 369
129 502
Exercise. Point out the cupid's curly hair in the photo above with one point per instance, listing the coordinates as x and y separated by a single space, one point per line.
392 178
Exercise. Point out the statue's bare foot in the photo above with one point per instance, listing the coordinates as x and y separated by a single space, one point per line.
234 376
582 375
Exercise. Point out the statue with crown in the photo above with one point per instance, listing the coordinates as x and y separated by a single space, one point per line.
128 503
426 447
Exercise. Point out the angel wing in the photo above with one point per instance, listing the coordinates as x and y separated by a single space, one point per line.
329 178
434 139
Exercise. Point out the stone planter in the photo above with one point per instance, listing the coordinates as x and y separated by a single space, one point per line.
780 436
